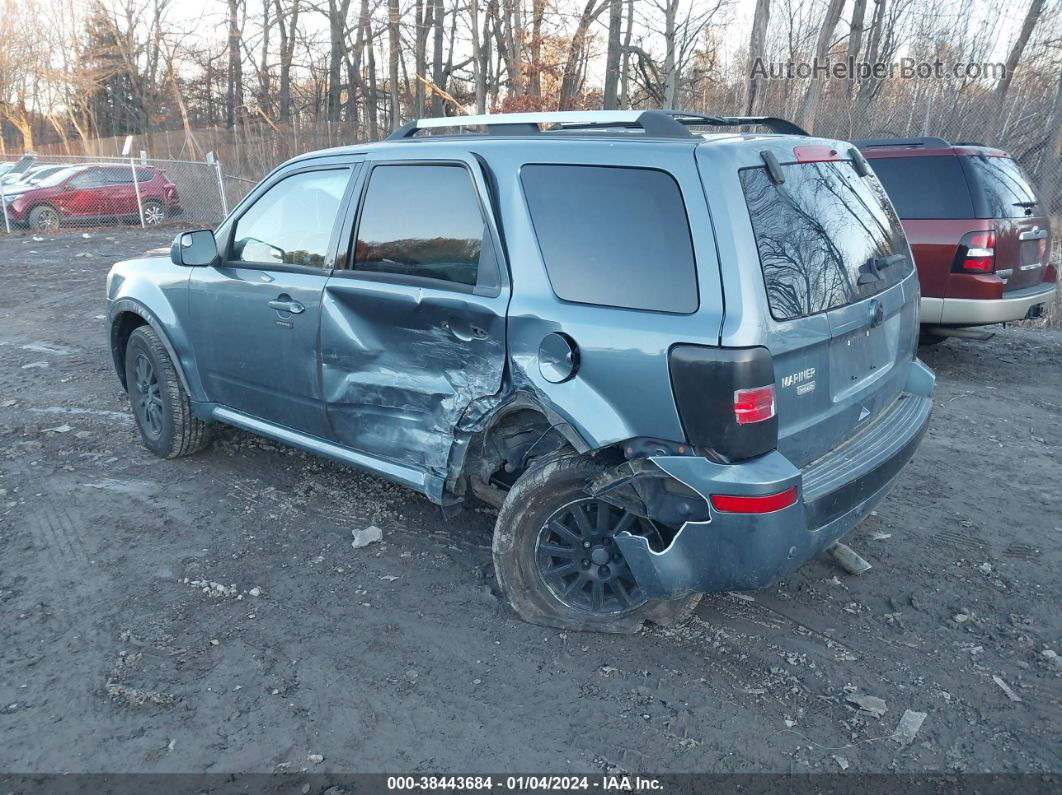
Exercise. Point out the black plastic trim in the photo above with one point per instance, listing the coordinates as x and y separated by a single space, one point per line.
704 380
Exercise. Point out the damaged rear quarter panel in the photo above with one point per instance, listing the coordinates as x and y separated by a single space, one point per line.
622 387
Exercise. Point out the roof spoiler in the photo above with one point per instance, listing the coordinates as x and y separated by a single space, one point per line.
655 123
926 142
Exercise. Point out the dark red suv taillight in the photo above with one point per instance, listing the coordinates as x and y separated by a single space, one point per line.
976 253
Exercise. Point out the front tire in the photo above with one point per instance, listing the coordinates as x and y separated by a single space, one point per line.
161 407
555 559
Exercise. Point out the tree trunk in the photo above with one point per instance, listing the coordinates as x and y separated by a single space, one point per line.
394 44
625 69
612 57
810 106
757 49
479 63
1002 89
670 54
423 16
234 94
287 54
855 37
866 88
570 80
437 60
538 9
337 27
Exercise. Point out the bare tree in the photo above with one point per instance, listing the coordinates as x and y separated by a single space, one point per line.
1032 16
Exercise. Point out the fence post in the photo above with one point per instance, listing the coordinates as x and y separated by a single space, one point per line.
3 201
136 190
221 183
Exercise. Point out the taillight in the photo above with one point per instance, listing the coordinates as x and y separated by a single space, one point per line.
976 254
725 399
754 405
766 504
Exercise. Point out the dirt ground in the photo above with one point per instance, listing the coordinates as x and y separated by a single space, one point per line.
209 614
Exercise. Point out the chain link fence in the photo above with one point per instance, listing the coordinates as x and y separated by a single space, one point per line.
48 192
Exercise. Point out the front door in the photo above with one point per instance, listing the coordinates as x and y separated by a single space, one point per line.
413 330
255 316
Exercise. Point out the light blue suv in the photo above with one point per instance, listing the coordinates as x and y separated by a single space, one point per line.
678 361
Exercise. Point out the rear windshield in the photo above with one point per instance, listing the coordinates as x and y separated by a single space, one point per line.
821 232
1001 188
613 236
925 187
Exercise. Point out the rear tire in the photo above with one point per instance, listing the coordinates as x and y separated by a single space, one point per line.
554 492
154 213
44 218
160 405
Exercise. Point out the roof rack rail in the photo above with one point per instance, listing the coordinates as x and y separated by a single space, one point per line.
925 141
656 123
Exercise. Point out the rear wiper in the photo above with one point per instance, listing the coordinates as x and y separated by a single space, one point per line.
872 268
1032 203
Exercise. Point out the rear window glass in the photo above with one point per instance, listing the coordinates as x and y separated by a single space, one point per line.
1002 188
613 236
925 187
820 233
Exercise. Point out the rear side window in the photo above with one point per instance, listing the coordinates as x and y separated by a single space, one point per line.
423 221
925 187
1001 187
613 236
821 232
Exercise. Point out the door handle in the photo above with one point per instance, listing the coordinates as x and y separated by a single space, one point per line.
287 305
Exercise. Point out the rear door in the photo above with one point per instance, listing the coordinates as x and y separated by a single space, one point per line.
413 330
1004 193
844 312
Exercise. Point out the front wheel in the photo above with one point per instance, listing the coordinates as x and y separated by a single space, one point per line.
556 558
161 407
44 218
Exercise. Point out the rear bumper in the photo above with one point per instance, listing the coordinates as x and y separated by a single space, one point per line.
982 312
748 551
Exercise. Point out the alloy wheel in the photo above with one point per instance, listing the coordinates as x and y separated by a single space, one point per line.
580 562
48 220
147 400
154 215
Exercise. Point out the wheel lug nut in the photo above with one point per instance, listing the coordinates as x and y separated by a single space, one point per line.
586 545
586 563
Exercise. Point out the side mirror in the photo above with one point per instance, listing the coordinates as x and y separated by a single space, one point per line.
194 249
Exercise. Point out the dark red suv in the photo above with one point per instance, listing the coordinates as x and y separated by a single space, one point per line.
980 235
89 194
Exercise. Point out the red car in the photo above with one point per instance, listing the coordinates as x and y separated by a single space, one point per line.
90 194
980 236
